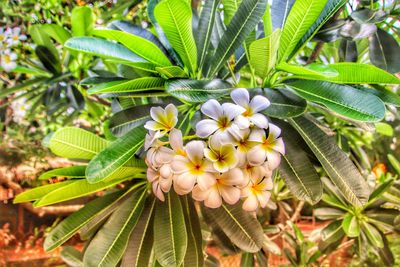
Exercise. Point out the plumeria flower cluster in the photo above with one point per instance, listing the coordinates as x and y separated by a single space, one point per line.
9 38
233 159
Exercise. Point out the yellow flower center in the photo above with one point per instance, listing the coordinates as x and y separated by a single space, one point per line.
224 123
15 38
7 58
248 112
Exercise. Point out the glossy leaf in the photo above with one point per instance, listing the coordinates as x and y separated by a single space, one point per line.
194 253
242 24
313 71
109 244
71 225
125 120
70 142
384 51
373 235
284 104
357 73
81 21
109 160
140 243
198 91
342 99
58 33
102 48
298 172
242 228
247 259
328 213
130 86
230 9
67 172
71 256
170 231
351 225
49 61
279 11
175 18
263 53
76 189
330 8
348 51
171 72
140 46
301 17
39 192
338 166
204 30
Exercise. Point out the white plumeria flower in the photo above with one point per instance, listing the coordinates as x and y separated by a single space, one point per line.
192 168
224 188
20 107
270 149
221 120
250 116
256 193
8 60
251 172
159 155
15 36
150 139
3 36
176 142
154 177
223 156
164 120
243 144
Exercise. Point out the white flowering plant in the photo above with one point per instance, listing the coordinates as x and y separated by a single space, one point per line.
206 116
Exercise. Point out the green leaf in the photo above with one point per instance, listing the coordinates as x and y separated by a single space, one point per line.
279 12
247 259
76 189
301 17
40 37
175 18
102 48
204 30
58 33
284 104
313 71
342 99
379 191
387 96
230 9
39 192
71 256
67 172
384 128
331 236
171 72
71 225
31 70
264 52
70 142
140 243
198 91
242 24
331 7
140 46
109 160
194 253
357 73
328 213
373 235
16 88
351 225
81 21
127 119
339 167
297 170
384 51
240 226
170 232
130 86
109 244
50 62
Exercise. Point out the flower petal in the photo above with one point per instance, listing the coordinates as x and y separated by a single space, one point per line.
256 156
274 131
257 135
279 146
231 111
274 159
263 198
230 194
241 97
176 140
214 199
232 177
251 203
212 108
185 181
205 128
259 103
195 151
242 122
198 194
158 192
179 164
259 120
206 181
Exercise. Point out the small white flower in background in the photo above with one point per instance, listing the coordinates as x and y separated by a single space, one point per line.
8 60
270 149
19 107
15 36
250 116
256 193
221 123
164 120
224 188
3 36
192 168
